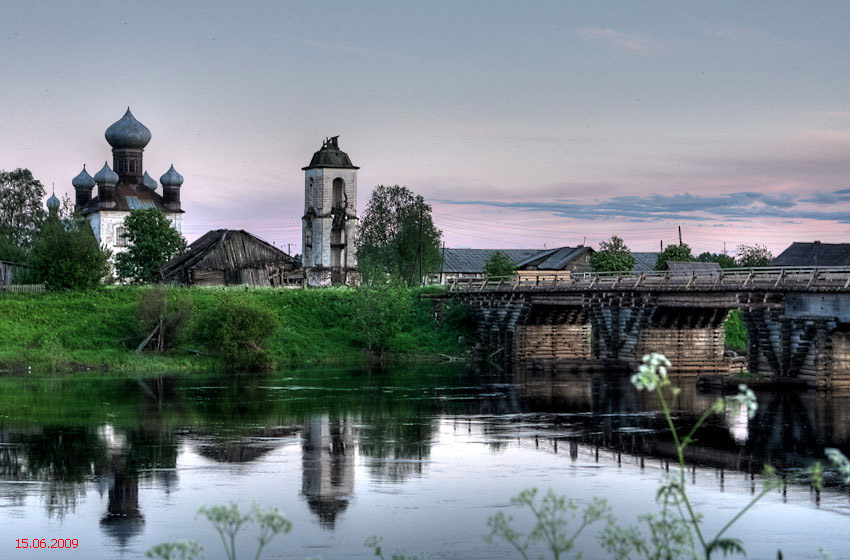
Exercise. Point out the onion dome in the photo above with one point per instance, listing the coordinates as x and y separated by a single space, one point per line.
331 156
83 180
106 177
171 178
128 133
53 202
149 182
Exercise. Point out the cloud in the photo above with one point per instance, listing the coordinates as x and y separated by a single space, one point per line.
682 207
616 39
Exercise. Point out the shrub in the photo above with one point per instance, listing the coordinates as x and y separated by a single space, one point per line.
613 256
499 266
161 319
673 253
236 330
381 311
66 255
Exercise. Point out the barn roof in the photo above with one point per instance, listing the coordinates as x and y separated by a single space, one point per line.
472 261
226 249
677 267
554 259
644 262
815 254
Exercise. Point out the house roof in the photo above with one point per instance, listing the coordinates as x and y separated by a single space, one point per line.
815 254
677 267
225 249
644 262
554 259
472 261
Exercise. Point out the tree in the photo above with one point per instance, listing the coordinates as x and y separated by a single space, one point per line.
66 255
612 256
750 256
388 244
674 253
724 260
152 243
499 266
21 210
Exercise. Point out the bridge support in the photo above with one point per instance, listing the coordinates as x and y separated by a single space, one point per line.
788 340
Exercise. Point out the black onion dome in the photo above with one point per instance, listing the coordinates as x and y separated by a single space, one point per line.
83 180
149 181
331 156
106 177
128 133
171 178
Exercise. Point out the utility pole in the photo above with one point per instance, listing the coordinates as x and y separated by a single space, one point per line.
661 245
289 249
680 236
420 245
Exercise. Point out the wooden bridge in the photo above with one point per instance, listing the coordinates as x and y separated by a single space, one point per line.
797 319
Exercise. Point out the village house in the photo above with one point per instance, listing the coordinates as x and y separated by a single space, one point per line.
225 257
814 254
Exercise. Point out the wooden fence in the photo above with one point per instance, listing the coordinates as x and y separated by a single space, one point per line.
779 278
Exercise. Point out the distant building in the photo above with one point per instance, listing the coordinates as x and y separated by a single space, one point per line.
644 262
125 187
225 257
690 268
814 254
469 263
329 225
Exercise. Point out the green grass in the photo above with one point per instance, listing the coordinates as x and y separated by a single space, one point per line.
70 331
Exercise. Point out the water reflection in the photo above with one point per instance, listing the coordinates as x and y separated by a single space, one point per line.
113 436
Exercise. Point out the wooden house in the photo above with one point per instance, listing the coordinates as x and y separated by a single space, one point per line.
225 257
814 254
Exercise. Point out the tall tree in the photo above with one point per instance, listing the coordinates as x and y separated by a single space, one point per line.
152 243
613 256
21 209
674 253
750 256
499 266
397 237
66 255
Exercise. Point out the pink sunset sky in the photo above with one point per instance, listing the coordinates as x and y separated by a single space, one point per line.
523 125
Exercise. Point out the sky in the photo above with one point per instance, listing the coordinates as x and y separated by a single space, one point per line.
523 124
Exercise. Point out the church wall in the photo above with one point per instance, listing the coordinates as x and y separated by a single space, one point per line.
105 223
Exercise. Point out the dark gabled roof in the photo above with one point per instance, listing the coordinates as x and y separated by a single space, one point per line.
472 261
330 156
130 197
644 262
677 267
814 254
227 249
554 259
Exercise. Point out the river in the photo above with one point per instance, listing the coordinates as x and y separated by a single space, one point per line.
420 456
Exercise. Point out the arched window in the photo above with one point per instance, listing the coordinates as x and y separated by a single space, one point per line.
120 237
310 201
338 192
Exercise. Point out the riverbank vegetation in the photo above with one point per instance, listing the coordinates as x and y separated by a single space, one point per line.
102 329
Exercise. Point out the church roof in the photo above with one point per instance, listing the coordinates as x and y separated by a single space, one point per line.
129 198
330 156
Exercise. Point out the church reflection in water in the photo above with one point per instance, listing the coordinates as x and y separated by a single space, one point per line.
560 408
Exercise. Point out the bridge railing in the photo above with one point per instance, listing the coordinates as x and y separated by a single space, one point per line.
833 278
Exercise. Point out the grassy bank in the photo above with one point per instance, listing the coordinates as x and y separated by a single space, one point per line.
68 331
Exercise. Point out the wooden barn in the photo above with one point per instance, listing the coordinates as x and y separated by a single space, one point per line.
226 257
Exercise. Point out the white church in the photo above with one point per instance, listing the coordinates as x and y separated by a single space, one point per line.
125 187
